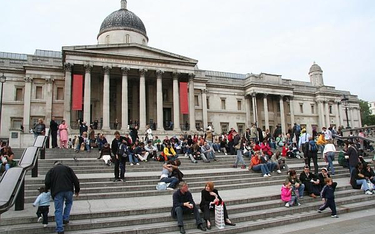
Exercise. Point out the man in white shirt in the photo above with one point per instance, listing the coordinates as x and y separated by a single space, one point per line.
327 133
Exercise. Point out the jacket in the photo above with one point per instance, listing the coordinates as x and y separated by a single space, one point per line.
206 198
328 191
169 152
286 193
179 199
61 178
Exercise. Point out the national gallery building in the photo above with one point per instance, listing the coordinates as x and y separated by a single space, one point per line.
122 81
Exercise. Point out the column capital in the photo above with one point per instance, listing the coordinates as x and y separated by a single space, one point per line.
88 68
50 80
175 75
204 91
159 73
125 71
107 70
191 75
142 71
265 95
253 94
282 97
68 67
28 79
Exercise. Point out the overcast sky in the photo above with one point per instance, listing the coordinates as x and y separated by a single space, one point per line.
281 37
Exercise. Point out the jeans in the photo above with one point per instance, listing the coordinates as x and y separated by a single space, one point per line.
173 181
363 183
300 189
133 159
239 158
330 159
261 167
59 199
210 155
271 166
179 211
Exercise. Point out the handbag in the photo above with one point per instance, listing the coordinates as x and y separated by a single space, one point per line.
238 146
219 216
370 185
82 146
161 186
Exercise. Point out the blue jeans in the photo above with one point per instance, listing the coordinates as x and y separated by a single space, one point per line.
210 155
331 158
363 183
239 158
173 181
87 147
271 166
133 159
261 167
300 189
59 199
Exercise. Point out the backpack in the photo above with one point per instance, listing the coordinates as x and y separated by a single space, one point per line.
312 147
123 150
298 128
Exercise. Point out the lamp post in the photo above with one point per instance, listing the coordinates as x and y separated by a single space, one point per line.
2 80
345 101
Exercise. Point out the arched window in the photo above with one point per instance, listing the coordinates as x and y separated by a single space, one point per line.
107 39
127 38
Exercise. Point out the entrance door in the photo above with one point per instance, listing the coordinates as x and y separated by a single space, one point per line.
167 118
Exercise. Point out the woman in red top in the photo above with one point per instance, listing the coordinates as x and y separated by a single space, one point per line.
266 148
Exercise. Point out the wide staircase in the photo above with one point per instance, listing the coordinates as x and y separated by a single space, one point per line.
135 206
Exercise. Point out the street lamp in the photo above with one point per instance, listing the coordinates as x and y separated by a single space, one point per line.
345 101
2 80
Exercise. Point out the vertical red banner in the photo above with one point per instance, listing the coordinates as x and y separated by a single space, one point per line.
184 104
77 94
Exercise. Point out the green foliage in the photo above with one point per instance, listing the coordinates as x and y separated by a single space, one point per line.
367 118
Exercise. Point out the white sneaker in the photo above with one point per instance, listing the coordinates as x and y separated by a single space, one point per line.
298 204
368 192
137 164
225 153
39 219
45 225
265 175
269 175
218 151
169 188
278 171
131 164
299 157
287 204
334 216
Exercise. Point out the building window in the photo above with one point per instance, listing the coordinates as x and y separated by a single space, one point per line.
240 128
330 110
312 109
208 103
301 107
127 38
59 93
198 125
196 100
19 94
223 104
39 92
239 105
224 127
16 123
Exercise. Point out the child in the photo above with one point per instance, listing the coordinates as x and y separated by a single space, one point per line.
288 195
329 197
42 202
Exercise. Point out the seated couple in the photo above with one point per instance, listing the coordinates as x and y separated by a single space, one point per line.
261 162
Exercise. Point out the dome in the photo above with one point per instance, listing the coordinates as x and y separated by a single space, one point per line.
123 19
315 68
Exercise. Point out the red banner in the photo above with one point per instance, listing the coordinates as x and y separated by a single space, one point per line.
184 104
77 94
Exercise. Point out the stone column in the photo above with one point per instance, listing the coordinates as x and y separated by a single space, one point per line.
282 114
341 114
48 96
26 105
321 114
68 93
191 102
359 117
350 110
328 122
248 115
124 100
266 117
291 106
106 92
337 114
204 108
254 100
142 100
176 104
159 100
87 95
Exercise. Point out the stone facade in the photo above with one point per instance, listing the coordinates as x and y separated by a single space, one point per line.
135 82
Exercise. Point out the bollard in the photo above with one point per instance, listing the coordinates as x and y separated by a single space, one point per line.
34 171
20 199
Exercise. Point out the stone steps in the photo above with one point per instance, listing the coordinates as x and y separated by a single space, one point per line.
242 212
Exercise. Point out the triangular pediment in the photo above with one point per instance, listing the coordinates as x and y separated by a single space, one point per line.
129 51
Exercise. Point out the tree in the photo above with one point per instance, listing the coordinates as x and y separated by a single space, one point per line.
367 118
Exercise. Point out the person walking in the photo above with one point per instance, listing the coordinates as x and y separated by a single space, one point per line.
54 128
62 181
